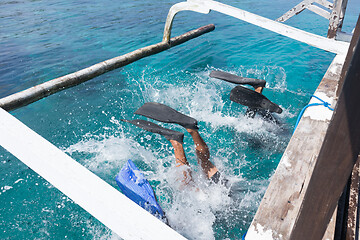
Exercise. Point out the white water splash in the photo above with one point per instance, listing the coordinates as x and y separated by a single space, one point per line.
194 211
7 188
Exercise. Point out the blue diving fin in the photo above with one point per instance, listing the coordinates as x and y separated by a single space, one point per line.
135 186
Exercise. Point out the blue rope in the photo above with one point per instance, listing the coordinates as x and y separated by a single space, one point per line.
243 236
325 104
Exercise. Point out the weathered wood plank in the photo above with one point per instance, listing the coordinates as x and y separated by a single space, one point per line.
282 201
347 63
40 91
353 202
347 216
330 231
337 156
280 210
342 213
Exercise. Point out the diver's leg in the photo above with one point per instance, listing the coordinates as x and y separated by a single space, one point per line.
203 154
181 160
258 89
175 138
179 152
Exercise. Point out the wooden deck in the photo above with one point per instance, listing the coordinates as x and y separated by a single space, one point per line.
318 161
283 198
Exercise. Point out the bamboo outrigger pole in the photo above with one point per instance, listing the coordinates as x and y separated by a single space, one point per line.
40 91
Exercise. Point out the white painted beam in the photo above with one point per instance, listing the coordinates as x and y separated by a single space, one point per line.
101 200
325 3
295 10
314 40
319 11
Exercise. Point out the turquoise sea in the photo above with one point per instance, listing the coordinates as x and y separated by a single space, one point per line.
41 40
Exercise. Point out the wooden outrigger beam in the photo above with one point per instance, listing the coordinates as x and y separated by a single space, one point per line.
318 161
204 6
40 91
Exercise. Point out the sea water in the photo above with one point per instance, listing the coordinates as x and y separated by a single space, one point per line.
42 40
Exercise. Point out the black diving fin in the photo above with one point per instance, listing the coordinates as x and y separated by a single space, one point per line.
163 113
252 99
154 128
237 80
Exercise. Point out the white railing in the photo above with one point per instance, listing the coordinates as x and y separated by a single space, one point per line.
205 6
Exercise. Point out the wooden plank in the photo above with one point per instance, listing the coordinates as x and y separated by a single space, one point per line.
101 200
336 159
282 201
347 214
40 91
342 213
351 229
348 59
330 231
319 11
280 210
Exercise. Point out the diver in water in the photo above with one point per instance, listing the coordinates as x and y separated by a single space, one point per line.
256 102
133 184
163 113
